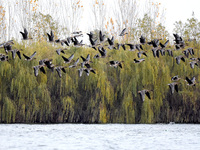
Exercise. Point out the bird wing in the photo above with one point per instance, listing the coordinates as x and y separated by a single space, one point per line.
188 80
122 33
65 59
59 71
13 53
83 58
176 87
76 62
26 56
18 54
148 94
33 55
71 57
88 57
42 69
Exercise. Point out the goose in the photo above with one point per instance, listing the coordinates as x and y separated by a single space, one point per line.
140 53
14 52
101 37
123 32
162 51
36 69
115 64
29 58
76 42
111 42
86 60
89 69
142 94
135 47
192 63
142 40
139 61
75 64
25 34
51 36
77 32
91 35
5 43
164 45
68 60
154 43
191 82
155 52
59 69
179 58
172 86
7 48
175 78
170 53
47 62
62 42
4 58
60 50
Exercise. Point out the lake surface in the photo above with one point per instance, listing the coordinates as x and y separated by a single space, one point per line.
99 137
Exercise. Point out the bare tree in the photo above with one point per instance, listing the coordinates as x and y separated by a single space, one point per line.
126 13
99 10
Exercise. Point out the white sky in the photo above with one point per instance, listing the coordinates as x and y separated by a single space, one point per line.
176 10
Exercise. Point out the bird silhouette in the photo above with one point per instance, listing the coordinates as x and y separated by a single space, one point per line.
29 58
142 94
173 86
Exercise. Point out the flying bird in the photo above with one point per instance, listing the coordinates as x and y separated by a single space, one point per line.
142 94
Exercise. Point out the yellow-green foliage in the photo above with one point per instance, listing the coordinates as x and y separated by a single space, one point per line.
109 96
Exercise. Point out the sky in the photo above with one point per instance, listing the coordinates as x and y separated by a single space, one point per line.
177 10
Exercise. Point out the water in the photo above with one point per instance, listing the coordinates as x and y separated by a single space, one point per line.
99 137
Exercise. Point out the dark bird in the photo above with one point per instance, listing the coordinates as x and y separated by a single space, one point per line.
7 48
142 40
142 94
76 42
47 62
179 58
154 43
60 50
4 58
31 57
115 64
80 71
91 35
14 52
36 69
101 37
164 45
75 64
25 34
192 63
191 82
170 53
86 60
175 78
155 52
162 51
59 69
68 60
51 36
135 47
139 61
123 32
172 86
88 70
111 42
141 53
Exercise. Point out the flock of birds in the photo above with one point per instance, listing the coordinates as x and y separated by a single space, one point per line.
99 43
